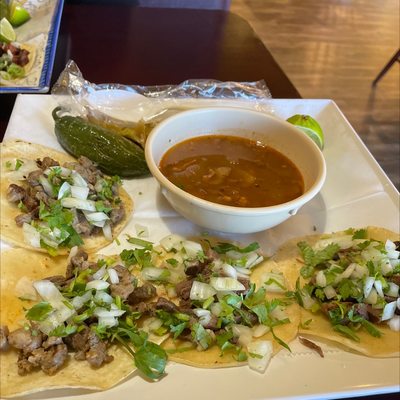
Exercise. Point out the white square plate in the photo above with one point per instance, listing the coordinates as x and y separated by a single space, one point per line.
357 193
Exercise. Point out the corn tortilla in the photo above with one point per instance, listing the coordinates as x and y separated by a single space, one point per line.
288 259
10 232
19 264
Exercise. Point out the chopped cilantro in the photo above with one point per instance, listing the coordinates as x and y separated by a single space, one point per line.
39 311
18 164
223 248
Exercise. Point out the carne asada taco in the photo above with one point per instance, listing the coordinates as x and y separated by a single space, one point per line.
52 202
16 61
69 326
349 288
215 313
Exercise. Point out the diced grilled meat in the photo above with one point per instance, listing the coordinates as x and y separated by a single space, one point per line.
49 360
395 279
89 347
25 339
311 345
125 286
145 308
117 214
52 341
79 261
183 289
33 177
166 305
47 162
15 193
21 219
142 293
4 338
195 267
81 224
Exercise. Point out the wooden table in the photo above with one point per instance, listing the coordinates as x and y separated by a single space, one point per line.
132 45
150 46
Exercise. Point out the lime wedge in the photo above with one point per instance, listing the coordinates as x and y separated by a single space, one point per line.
18 15
310 127
7 33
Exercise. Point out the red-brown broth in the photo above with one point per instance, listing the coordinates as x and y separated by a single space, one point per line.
232 170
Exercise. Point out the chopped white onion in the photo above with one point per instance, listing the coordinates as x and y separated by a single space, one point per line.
242 272
226 284
393 290
203 315
71 202
348 271
64 191
24 169
97 284
25 290
228 270
379 288
277 284
113 276
155 274
31 235
394 323
260 330
360 271
252 260
368 284
216 309
102 297
102 312
47 186
100 273
372 298
172 242
107 232
260 353
388 311
308 301
191 248
79 301
320 279
61 312
80 192
387 267
330 292
108 321
72 253
344 242
201 291
279 313
65 172
244 334
77 179
94 217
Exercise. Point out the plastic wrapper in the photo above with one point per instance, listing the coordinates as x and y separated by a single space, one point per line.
133 110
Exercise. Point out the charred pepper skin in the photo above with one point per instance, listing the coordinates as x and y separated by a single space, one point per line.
114 155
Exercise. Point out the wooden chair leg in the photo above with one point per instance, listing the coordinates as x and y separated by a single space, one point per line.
395 58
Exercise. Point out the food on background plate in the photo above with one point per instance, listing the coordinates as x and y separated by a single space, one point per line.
52 202
348 286
66 326
16 60
233 171
114 154
103 315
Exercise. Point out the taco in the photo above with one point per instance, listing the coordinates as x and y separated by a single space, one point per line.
348 286
69 326
52 202
16 61
216 313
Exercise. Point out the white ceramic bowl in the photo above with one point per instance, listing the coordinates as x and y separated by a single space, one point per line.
270 131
